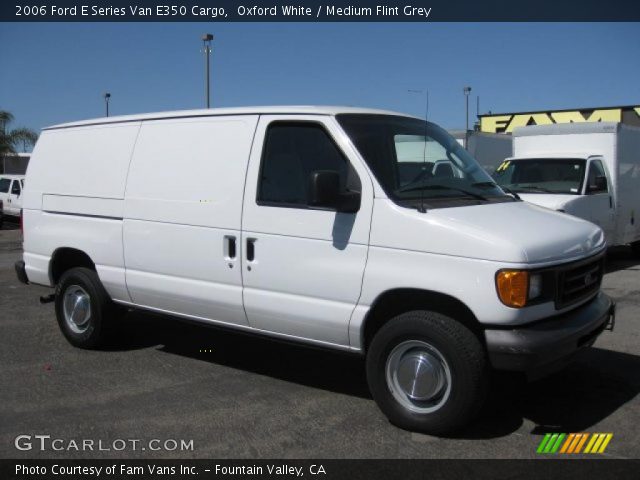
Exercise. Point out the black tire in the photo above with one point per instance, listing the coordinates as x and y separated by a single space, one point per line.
635 248
442 338
102 314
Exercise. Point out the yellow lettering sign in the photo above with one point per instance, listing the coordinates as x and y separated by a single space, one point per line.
494 124
568 117
528 119
611 115
507 123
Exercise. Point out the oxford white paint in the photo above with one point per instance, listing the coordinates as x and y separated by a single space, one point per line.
159 236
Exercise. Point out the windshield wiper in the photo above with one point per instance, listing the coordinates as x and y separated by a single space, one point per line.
493 184
534 188
410 188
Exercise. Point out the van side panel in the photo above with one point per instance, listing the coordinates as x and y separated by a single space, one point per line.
183 207
82 162
73 198
628 193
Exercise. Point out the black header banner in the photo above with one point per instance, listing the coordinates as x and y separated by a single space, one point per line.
281 469
319 11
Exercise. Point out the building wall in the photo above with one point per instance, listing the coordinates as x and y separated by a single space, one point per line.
14 165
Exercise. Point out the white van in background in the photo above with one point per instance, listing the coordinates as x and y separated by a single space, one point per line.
590 170
318 225
11 194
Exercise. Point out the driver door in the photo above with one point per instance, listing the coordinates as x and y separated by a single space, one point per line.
302 266
601 205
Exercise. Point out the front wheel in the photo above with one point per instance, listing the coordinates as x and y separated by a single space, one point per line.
427 372
84 310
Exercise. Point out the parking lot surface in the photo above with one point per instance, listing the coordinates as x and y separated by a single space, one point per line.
238 396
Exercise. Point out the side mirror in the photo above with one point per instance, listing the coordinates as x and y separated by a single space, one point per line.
324 192
599 185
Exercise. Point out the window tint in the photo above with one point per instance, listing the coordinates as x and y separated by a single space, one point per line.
596 170
15 188
4 185
292 152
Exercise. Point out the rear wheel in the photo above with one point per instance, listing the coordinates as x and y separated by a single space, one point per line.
427 372
84 311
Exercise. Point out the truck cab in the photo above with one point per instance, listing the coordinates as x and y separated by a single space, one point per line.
578 184
11 187
588 170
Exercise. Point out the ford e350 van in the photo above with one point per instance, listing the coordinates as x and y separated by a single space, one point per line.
354 229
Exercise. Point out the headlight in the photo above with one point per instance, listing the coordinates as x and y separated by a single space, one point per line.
535 286
519 288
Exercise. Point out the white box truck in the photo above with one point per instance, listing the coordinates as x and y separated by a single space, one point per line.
325 225
590 170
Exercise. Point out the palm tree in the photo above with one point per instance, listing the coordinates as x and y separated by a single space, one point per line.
11 140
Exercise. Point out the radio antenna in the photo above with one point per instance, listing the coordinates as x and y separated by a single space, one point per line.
422 208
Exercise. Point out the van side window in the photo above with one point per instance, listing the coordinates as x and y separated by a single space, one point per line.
292 151
15 188
596 179
4 185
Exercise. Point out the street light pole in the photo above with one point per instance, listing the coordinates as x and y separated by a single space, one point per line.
206 41
106 96
467 91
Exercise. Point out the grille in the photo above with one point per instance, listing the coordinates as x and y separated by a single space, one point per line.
579 281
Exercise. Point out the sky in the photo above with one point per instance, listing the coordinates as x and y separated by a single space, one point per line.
57 72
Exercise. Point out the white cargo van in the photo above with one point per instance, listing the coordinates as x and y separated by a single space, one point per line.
11 194
318 225
590 170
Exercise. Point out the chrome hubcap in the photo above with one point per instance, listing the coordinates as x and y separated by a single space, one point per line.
418 376
76 307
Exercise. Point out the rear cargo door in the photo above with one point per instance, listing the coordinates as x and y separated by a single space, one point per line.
182 216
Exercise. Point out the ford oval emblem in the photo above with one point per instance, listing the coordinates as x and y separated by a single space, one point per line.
588 279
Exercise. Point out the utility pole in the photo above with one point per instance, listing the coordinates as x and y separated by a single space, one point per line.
106 96
206 42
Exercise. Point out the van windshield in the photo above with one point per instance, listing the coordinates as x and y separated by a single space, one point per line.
542 175
417 162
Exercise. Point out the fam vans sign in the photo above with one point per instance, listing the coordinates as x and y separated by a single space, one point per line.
506 122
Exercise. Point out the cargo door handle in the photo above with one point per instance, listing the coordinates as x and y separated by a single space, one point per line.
230 251
251 249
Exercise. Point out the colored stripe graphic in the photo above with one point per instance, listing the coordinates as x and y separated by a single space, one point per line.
605 443
581 442
543 443
573 443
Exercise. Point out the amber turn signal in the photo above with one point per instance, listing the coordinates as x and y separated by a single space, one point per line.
513 287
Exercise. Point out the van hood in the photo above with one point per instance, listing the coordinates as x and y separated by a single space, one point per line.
514 232
553 201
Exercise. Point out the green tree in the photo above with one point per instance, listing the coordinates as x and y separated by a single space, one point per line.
12 141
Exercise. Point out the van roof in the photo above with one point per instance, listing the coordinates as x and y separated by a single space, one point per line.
212 112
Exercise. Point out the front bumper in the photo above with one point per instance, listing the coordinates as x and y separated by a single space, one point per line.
547 345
